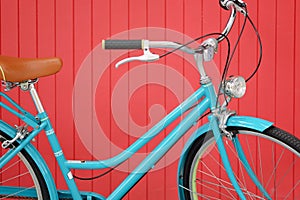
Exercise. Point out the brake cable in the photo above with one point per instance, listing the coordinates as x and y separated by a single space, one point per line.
226 69
260 48
194 40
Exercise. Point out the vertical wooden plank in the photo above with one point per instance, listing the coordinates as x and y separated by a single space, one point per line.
174 21
82 47
27 43
46 87
64 37
284 67
27 48
247 61
119 23
9 27
214 21
27 28
138 111
266 76
156 183
10 44
284 78
193 18
102 103
9 47
193 27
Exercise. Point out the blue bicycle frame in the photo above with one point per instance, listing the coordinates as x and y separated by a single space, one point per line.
206 94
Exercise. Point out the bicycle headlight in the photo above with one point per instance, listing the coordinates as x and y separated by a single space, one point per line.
235 86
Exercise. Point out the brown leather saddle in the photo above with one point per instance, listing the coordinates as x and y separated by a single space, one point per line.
22 69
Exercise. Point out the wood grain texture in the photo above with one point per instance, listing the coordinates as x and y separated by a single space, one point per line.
72 29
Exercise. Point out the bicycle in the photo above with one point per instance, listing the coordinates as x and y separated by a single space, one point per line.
226 134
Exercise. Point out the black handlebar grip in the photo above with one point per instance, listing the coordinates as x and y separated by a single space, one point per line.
122 44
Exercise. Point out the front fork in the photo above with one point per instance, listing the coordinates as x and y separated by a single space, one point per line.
218 137
218 120
214 125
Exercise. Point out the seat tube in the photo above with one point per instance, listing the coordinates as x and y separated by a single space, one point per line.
36 99
59 155
56 148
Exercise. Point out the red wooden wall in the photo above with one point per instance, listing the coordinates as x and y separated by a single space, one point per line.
72 29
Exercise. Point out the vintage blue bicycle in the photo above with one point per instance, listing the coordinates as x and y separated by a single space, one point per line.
230 157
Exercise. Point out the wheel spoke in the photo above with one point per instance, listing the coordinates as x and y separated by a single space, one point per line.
260 164
218 179
249 151
245 191
275 168
23 174
290 168
18 176
239 160
222 167
218 192
290 192
16 193
10 166
187 189
215 177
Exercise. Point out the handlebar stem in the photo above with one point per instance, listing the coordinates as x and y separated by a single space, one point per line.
199 58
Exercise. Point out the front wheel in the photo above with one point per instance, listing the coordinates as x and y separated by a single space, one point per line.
274 156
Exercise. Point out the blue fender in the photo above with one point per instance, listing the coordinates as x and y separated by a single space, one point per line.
237 121
38 159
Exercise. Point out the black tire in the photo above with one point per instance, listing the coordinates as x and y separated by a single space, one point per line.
26 163
273 135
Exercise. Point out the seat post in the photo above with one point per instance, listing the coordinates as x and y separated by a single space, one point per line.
36 99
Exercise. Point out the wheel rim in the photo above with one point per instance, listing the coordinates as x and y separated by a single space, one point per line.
214 182
19 173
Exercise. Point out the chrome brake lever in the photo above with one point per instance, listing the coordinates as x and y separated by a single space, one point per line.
147 57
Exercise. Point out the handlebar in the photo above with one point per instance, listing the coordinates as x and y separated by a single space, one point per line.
229 24
139 44
208 46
